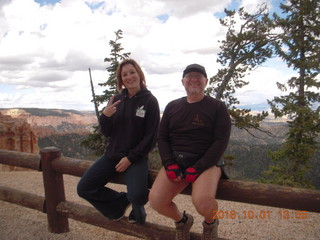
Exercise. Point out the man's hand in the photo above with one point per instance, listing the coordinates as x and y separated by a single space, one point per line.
191 174
173 171
123 165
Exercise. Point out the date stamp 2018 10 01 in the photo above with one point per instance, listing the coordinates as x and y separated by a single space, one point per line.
262 214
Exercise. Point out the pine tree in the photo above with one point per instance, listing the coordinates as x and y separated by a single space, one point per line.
299 47
96 141
242 51
116 56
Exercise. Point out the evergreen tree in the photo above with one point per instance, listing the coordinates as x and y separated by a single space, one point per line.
242 51
96 141
299 47
116 56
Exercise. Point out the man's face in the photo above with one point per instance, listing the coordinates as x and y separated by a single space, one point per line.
194 82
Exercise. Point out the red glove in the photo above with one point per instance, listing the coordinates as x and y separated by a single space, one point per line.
191 174
173 171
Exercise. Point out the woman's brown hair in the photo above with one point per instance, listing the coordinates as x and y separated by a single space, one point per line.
138 69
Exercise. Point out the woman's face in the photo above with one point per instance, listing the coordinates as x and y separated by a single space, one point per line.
130 77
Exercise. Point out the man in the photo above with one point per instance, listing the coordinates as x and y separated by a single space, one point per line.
194 133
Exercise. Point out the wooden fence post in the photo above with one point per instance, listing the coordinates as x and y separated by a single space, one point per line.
54 191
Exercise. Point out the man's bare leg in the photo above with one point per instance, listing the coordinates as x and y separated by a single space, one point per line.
204 193
162 193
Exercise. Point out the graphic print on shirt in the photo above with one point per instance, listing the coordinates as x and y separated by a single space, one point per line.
140 112
197 121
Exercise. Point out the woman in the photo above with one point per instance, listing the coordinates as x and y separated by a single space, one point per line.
130 121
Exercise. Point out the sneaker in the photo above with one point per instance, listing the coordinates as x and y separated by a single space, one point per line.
124 203
210 231
183 229
137 215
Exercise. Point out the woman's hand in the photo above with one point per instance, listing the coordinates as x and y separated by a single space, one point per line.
111 108
123 165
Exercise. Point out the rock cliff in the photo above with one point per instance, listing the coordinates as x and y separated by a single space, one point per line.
61 128
16 135
46 122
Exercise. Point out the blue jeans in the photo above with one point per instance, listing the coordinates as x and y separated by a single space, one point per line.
106 200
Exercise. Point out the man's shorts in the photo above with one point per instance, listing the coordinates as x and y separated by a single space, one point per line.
222 164
185 160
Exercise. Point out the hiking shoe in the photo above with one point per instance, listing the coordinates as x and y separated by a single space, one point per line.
137 215
210 231
124 203
183 229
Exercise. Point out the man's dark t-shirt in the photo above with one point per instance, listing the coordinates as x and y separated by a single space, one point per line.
202 128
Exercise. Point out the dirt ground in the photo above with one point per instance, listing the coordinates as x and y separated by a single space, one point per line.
20 223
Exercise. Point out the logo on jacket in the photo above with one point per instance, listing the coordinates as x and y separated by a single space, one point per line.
140 112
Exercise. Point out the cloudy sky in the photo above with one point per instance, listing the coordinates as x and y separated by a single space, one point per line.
47 46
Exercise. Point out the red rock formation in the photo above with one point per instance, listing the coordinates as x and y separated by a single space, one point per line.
16 135
48 125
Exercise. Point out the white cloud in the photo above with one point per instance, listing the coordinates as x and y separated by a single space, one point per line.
45 51
252 6
262 84
181 8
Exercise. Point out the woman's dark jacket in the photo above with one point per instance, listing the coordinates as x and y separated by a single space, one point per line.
133 129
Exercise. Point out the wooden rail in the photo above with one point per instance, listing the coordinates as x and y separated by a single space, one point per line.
58 210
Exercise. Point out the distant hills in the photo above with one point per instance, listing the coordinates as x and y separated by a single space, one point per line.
47 122
61 128
264 106
44 112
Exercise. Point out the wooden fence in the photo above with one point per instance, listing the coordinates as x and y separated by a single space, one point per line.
58 210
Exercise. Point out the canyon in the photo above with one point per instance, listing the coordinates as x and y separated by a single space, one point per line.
16 135
46 122
30 129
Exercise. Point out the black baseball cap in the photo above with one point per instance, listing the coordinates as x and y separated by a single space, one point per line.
195 68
